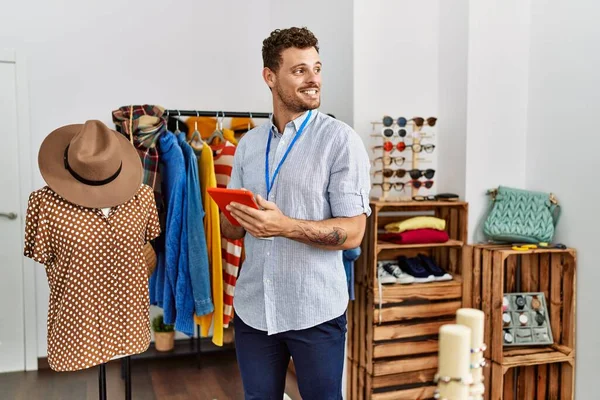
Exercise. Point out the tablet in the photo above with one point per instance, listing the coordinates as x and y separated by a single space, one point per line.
223 197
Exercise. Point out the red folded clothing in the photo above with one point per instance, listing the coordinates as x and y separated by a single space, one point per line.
416 236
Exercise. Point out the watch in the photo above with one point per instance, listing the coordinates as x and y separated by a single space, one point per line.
523 319
536 304
506 319
539 318
505 303
520 302
508 338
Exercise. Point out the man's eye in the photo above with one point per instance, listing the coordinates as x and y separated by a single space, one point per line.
318 70
299 71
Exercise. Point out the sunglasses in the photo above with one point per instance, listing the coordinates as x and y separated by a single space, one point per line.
417 173
389 121
389 146
418 121
388 173
389 132
387 160
417 184
387 186
424 198
417 148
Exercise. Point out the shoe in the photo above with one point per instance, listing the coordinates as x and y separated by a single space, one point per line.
412 266
383 276
438 273
394 270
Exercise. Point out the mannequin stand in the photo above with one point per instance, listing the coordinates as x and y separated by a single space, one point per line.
102 382
125 374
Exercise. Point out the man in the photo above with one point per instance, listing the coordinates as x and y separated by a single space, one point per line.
310 175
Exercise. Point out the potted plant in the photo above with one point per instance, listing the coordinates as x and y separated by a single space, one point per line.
164 335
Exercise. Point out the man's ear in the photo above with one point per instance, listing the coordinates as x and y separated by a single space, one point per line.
269 77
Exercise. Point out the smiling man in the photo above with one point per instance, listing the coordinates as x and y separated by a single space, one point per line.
310 175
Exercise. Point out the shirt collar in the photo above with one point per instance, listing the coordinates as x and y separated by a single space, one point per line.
297 122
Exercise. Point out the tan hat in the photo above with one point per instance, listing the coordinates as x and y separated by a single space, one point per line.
90 165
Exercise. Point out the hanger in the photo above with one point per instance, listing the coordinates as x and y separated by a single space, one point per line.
196 137
249 120
177 123
218 133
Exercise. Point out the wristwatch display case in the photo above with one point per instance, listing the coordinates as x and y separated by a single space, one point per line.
525 319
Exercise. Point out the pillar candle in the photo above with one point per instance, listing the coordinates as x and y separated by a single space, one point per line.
453 361
473 319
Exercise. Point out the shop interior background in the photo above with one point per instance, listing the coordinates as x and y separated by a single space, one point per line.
514 85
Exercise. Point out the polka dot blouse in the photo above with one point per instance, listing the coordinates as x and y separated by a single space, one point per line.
98 278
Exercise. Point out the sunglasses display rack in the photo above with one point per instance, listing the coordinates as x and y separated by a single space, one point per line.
402 128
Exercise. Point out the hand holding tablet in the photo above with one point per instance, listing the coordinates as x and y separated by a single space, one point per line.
223 197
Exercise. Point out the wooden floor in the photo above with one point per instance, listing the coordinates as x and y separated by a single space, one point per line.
166 379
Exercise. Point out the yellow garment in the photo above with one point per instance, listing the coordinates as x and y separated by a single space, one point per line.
206 127
417 223
212 228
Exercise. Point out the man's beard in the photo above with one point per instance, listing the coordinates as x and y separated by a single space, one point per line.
296 104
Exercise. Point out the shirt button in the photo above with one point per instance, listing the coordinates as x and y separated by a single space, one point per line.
267 281
268 253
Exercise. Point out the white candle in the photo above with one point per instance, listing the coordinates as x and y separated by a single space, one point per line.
454 360
473 319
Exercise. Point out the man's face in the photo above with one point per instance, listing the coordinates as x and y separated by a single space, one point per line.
298 81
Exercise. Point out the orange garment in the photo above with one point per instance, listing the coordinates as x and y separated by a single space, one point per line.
206 127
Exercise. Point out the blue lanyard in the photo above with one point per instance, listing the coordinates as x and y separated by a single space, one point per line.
298 133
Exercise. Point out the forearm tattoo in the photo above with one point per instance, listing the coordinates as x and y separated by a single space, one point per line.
325 236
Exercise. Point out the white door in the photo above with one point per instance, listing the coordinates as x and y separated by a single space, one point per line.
12 324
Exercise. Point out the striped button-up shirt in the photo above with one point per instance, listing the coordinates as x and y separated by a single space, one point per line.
285 284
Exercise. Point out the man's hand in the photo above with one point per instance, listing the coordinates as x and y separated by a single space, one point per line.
267 222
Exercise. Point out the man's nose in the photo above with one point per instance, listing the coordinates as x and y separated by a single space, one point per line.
314 77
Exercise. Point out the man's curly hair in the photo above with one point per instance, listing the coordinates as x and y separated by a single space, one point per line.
281 39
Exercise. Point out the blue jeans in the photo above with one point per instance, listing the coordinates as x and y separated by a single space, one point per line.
318 355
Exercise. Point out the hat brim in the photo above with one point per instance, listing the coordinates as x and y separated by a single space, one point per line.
60 180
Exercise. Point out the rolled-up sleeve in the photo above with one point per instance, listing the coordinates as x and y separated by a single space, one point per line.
349 183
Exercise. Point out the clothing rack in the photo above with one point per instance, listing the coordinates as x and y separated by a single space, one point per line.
220 114
195 343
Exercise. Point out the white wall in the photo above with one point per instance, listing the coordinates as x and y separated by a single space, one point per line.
331 22
395 69
87 58
452 96
562 151
497 93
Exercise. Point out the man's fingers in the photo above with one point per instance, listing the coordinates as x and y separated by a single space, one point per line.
245 209
242 217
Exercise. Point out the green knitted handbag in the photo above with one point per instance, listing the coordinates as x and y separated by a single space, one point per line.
521 216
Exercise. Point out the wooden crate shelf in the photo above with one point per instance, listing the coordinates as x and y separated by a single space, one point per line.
381 245
393 329
552 380
396 293
403 386
523 360
490 271
494 272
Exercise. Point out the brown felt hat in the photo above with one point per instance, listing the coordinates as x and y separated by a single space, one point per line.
90 165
